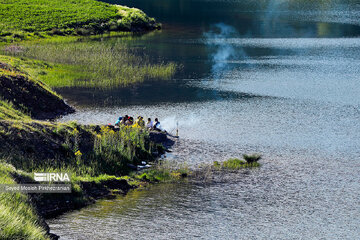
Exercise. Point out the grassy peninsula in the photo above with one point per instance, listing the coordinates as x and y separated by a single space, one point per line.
99 159
29 19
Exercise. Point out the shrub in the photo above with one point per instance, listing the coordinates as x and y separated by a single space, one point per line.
252 158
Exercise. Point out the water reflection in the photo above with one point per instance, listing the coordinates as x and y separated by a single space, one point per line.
152 93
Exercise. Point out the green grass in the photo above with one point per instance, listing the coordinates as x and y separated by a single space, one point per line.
236 164
28 19
106 160
26 93
164 171
75 178
25 67
91 64
32 145
18 219
73 61
8 111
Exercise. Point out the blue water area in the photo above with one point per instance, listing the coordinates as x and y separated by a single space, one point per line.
277 77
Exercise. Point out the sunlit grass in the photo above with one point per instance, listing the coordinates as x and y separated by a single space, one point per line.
29 19
18 219
27 68
235 163
165 171
106 151
92 64
8 111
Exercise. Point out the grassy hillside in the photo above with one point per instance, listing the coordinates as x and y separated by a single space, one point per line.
24 19
29 144
33 145
18 219
77 61
28 95
95 156
8 111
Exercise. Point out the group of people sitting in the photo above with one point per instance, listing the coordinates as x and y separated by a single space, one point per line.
139 122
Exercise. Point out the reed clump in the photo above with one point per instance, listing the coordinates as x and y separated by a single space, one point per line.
165 171
90 64
251 158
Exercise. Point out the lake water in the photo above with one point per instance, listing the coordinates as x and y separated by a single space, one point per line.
281 78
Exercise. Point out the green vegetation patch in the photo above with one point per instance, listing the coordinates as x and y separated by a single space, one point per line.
91 64
10 66
235 163
26 19
26 94
164 171
8 111
18 219
86 150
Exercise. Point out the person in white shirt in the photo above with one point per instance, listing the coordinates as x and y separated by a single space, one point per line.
149 124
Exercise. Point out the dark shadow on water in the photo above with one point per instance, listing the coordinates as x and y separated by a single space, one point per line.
151 93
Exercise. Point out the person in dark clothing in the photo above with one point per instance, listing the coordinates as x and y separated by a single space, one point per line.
157 126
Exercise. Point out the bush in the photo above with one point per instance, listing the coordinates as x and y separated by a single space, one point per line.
252 158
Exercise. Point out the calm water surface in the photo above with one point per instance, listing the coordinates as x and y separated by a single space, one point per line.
277 77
